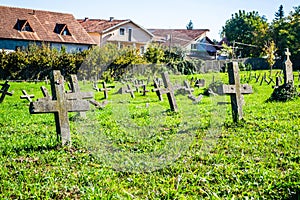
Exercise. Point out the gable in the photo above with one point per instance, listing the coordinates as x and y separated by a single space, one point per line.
42 26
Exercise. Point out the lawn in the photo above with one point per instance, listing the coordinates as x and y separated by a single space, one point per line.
139 149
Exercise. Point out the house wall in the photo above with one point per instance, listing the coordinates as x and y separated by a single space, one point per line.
14 44
96 37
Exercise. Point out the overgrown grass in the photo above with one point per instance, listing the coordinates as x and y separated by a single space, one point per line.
257 158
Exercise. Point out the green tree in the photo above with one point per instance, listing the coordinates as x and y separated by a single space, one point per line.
190 25
247 28
280 13
154 54
269 50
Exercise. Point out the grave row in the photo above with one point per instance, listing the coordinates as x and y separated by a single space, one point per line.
62 102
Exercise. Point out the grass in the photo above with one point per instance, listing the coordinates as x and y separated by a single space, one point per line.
138 149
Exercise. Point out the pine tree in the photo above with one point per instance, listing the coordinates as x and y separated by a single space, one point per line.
190 25
280 14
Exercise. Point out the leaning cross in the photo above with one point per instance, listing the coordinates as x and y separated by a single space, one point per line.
288 69
4 91
236 91
26 96
60 104
167 90
131 91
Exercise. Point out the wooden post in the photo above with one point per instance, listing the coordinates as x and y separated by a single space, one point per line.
169 91
26 96
236 91
105 90
4 91
60 104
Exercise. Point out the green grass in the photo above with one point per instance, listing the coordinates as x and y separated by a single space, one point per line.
132 151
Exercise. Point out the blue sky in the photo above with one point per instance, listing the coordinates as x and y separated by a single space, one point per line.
161 13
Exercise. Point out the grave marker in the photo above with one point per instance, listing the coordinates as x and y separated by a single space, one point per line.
168 89
131 91
4 91
74 86
105 90
60 104
288 69
26 96
236 91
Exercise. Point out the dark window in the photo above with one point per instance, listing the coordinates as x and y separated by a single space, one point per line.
23 25
129 34
62 29
122 31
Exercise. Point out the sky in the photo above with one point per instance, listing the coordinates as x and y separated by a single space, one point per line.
169 14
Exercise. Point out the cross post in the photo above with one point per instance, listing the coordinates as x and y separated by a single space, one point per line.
26 96
169 91
236 91
60 104
4 91
105 90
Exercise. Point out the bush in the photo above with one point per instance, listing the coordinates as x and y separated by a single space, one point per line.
284 93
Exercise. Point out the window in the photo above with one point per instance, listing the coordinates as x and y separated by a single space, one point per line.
193 46
129 34
23 25
142 50
122 31
62 29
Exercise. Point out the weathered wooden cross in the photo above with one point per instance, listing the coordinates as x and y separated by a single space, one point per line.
236 91
168 89
131 91
74 86
105 90
26 96
4 91
288 69
60 104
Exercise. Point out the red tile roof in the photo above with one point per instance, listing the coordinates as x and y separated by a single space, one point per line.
100 25
180 37
43 24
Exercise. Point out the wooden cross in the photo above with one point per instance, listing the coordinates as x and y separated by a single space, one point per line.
60 104
157 89
131 91
187 88
144 91
26 96
168 89
4 91
288 69
105 90
74 86
95 87
236 91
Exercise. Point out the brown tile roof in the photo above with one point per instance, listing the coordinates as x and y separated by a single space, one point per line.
100 25
43 24
180 37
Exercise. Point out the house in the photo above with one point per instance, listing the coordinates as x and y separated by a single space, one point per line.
194 42
123 33
20 27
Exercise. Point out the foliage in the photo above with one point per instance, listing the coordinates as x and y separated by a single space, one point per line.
269 50
154 54
284 93
247 28
280 13
36 62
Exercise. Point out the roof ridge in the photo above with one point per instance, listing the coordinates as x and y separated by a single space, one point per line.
32 9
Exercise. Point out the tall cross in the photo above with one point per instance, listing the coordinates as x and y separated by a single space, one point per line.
236 91
60 104
4 91
131 91
288 69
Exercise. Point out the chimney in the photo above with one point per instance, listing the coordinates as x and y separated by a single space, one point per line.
111 19
86 19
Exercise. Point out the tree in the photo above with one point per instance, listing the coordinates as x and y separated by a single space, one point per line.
269 50
247 28
280 13
190 25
